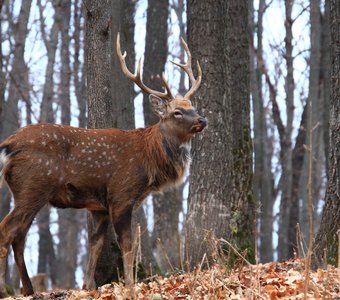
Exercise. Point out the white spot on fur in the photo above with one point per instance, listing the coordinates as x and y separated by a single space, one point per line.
49 172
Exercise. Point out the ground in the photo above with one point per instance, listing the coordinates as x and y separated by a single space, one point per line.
284 280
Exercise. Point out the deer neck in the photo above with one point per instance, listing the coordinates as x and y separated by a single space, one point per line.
170 157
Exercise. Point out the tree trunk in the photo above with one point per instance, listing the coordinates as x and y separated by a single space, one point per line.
78 68
316 113
156 52
326 242
18 83
47 259
98 63
65 72
243 205
167 205
68 219
285 140
326 78
216 202
46 109
122 88
98 51
263 177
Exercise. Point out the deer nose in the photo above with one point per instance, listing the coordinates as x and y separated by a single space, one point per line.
203 121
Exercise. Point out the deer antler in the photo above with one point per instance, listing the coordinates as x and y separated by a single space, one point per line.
195 83
136 78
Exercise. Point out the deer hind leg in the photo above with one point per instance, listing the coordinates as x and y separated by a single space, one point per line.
124 234
13 228
99 225
18 246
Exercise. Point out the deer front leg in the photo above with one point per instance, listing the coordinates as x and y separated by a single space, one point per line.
124 235
98 222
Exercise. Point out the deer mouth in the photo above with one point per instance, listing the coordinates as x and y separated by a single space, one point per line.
201 124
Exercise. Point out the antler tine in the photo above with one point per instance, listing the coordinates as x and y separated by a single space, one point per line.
167 87
136 78
187 68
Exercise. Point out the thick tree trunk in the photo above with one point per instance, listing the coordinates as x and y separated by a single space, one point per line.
122 88
156 52
326 242
217 204
98 63
98 50
326 78
242 205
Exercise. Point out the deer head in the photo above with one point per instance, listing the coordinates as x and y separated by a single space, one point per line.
177 114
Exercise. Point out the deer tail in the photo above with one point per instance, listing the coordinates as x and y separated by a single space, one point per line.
4 160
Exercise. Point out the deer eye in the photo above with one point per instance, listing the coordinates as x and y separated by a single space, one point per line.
178 114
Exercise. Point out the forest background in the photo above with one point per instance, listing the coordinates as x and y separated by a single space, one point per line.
266 86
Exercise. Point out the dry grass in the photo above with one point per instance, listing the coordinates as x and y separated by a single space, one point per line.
262 281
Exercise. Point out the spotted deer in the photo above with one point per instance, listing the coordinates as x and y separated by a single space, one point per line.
107 171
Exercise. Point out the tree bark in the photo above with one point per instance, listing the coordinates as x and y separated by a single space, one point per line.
123 88
156 52
98 63
242 204
216 202
326 242
326 78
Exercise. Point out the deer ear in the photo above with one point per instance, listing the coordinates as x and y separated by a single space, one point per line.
159 106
